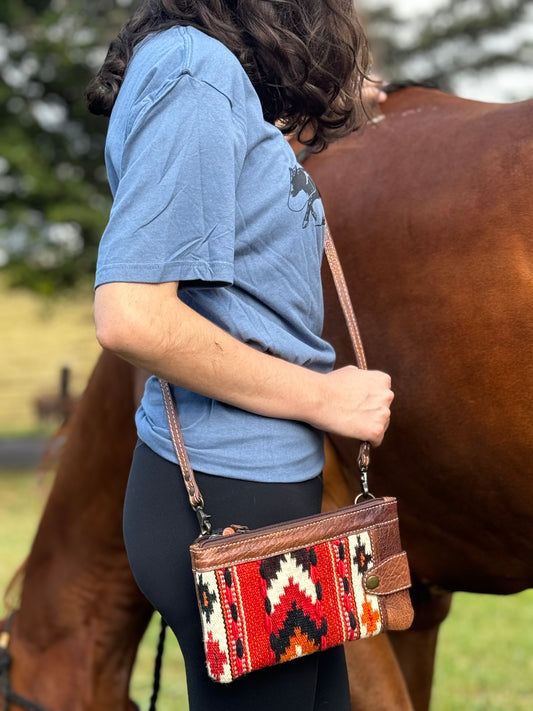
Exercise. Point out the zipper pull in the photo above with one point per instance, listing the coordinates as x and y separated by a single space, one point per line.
234 528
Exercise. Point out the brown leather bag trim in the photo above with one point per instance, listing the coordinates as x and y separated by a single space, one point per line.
379 517
393 574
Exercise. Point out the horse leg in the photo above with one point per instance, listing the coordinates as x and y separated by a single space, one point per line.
81 617
415 648
376 680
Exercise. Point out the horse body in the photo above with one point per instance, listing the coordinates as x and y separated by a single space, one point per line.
432 217
430 212
81 616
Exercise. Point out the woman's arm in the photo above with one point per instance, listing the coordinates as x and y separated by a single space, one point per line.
148 325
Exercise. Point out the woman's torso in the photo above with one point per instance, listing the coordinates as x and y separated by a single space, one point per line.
209 194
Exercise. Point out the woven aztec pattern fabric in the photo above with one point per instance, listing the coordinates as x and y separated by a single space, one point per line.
268 611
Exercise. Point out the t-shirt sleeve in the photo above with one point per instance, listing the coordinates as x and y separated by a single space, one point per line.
173 214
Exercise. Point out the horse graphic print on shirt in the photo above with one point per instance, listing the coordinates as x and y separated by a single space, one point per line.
303 194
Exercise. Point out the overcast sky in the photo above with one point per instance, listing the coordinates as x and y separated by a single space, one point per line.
407 7
502 84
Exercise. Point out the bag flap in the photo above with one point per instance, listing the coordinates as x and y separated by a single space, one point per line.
389 576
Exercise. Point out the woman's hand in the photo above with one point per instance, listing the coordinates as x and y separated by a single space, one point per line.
356 404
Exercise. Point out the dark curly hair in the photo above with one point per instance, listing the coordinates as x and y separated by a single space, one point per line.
305 58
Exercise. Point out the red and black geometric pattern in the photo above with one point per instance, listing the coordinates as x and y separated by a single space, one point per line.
263 612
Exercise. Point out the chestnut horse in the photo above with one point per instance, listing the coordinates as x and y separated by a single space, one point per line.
430 211
432 214
74 639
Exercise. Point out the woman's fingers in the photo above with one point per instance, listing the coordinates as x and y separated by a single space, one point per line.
357 404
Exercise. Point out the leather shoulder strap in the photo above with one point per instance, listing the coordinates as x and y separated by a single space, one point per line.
344 299
195 497
363 459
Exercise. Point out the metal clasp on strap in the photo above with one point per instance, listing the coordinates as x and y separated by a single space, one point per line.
4 640
9 696
203 519
5 634
363 462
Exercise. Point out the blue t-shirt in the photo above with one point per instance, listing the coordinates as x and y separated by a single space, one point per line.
209 194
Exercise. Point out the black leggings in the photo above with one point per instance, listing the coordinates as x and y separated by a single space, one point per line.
159 526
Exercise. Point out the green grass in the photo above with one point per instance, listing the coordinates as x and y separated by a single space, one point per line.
39 337
485 655
22 498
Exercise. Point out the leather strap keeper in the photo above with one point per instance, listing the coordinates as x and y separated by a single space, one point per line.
389 576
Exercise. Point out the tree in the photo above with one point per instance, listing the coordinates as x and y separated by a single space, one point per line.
460 39
53 188
54 197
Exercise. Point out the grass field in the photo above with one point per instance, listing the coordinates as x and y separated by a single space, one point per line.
485 656
39 337
22 498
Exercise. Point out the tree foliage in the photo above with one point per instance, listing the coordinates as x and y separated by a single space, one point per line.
53 188
54 197
458 38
